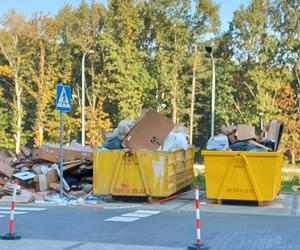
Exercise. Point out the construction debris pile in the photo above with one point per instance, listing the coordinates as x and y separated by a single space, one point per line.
243 138
37 172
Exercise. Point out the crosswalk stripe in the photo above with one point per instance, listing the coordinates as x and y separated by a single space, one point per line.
122 219
8 212
139 215
147 211
24 208
2 216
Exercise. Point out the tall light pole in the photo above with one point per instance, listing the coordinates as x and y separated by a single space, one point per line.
193 95
213 91
83 97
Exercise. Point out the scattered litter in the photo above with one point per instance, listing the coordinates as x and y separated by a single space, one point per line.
65 201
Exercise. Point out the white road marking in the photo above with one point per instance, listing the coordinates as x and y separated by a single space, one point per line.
136 215
122 219
139 215
147 211
8 212
24 208
2 216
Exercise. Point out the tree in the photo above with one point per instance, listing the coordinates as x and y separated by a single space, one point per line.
127 79
42 68
264 43
5 125
287 103
81 32
14 28
168 23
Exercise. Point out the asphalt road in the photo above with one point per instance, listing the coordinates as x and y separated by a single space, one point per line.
169 226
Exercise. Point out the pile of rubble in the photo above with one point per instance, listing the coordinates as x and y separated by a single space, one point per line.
37 172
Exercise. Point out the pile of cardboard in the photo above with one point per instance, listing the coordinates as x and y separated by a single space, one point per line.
37 172
243 137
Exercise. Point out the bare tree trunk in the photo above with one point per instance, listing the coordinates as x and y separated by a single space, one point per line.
14 63
175 83
157 100
174 100
41 88
293 154
19 114
238 109
193 97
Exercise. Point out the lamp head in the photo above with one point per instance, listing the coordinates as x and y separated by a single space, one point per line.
208 49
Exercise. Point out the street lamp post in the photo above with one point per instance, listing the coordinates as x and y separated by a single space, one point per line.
83 97
193 95
213 90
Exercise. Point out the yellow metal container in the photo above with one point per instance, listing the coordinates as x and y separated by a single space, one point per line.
236 175
142 173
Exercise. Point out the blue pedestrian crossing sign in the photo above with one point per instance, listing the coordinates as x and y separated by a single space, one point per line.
63 98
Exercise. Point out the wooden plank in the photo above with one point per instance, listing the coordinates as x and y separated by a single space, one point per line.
70 167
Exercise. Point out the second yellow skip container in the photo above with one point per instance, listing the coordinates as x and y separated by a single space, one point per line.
233 175
142 172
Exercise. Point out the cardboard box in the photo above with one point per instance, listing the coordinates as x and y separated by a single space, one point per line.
54 186
273 132
23 154
44 180
149 132
245 132
6 167
230 133
25 178
4 154
231 138
51 176
228 130
70 152
44 154
26 151
22 198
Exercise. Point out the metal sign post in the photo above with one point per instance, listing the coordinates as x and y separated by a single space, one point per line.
61 158
63 104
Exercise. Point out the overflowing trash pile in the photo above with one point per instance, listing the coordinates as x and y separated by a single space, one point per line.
243 138
152 131
37 171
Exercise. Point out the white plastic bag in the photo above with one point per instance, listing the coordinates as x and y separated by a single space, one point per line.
123 128
219 142
175 141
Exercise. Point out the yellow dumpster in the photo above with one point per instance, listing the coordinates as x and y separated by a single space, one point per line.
236 175
142 173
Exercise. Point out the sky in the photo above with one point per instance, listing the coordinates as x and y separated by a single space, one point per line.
28 7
